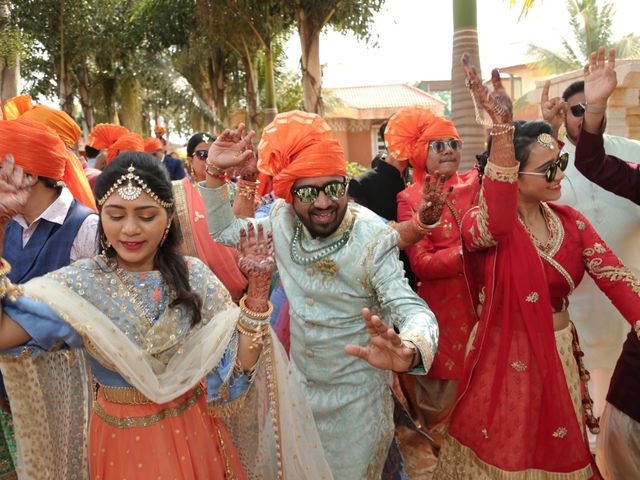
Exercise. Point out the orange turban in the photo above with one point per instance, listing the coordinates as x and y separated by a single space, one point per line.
152 144
131 142
66 127
115 139
298 145
39 151
105 134
409 132
16 106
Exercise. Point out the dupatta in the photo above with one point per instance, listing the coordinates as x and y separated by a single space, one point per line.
514 418
272 424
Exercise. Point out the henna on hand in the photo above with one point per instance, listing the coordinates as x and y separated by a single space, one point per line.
497 103
257 262
433 198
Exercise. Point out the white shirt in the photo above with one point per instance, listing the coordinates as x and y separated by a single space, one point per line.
84 245
601 328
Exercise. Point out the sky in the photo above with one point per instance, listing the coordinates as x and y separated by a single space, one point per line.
414 40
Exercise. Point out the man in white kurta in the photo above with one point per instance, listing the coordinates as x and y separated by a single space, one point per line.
329 276
601 328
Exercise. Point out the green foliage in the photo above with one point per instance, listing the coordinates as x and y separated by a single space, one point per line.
445 96
354 17
354 169
591 28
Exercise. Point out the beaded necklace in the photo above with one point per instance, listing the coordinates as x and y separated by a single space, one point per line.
318 257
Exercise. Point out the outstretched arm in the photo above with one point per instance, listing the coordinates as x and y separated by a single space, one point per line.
609 172
496 214
231 151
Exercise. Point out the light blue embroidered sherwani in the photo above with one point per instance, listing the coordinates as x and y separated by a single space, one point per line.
350 400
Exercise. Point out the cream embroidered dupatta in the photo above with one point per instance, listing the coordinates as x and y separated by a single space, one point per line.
50 397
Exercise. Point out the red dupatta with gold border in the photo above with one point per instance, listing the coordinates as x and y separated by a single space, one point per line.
514 417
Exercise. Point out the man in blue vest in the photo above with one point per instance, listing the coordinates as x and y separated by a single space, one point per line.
54 228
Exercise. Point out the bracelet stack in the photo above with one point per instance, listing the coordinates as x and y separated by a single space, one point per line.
247 188
7 289
215 172
501 129
253 324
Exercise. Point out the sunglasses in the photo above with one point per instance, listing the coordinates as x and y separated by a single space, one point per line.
439 146
578 110
203 154
308 194
550 173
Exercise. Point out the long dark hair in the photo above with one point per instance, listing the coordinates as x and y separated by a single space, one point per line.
167 260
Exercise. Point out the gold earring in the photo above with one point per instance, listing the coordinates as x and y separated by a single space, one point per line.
105 245
165 234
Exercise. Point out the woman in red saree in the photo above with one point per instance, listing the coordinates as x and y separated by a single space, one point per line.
519 413
190 210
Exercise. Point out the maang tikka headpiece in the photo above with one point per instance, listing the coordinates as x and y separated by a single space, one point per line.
132 189
546 140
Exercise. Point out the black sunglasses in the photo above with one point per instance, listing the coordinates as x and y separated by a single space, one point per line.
201 153
551 171
308 194
578 110
439 146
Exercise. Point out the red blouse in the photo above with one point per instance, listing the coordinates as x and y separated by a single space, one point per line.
436 261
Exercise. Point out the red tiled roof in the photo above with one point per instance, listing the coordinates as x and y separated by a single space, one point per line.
384 96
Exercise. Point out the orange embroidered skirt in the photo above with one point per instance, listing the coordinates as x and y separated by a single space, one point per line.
146 441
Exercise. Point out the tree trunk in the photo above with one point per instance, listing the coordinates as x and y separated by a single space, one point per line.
465 39
84 91
251 79
131 112
219 87
65 87
311 71
9 77
270 108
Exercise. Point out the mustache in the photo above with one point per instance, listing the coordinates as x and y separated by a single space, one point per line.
315 210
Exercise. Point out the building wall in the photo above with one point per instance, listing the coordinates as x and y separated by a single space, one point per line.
359 144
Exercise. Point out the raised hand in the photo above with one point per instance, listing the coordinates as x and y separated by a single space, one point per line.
434 198
231 149
386 351
15 186
553 110
600 79
497 103
255 254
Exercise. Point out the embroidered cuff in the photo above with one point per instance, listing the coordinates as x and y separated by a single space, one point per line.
498 173
426 348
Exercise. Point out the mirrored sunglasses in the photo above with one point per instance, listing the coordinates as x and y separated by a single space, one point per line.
203 154
439 146
308 194
552 170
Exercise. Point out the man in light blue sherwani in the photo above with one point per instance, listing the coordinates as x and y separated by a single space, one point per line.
338 264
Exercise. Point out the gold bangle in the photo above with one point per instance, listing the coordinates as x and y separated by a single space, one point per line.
255 315
421 227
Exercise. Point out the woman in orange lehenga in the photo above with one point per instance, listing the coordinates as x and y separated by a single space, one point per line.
188 386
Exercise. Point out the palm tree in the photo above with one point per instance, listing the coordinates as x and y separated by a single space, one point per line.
465 39
591 27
